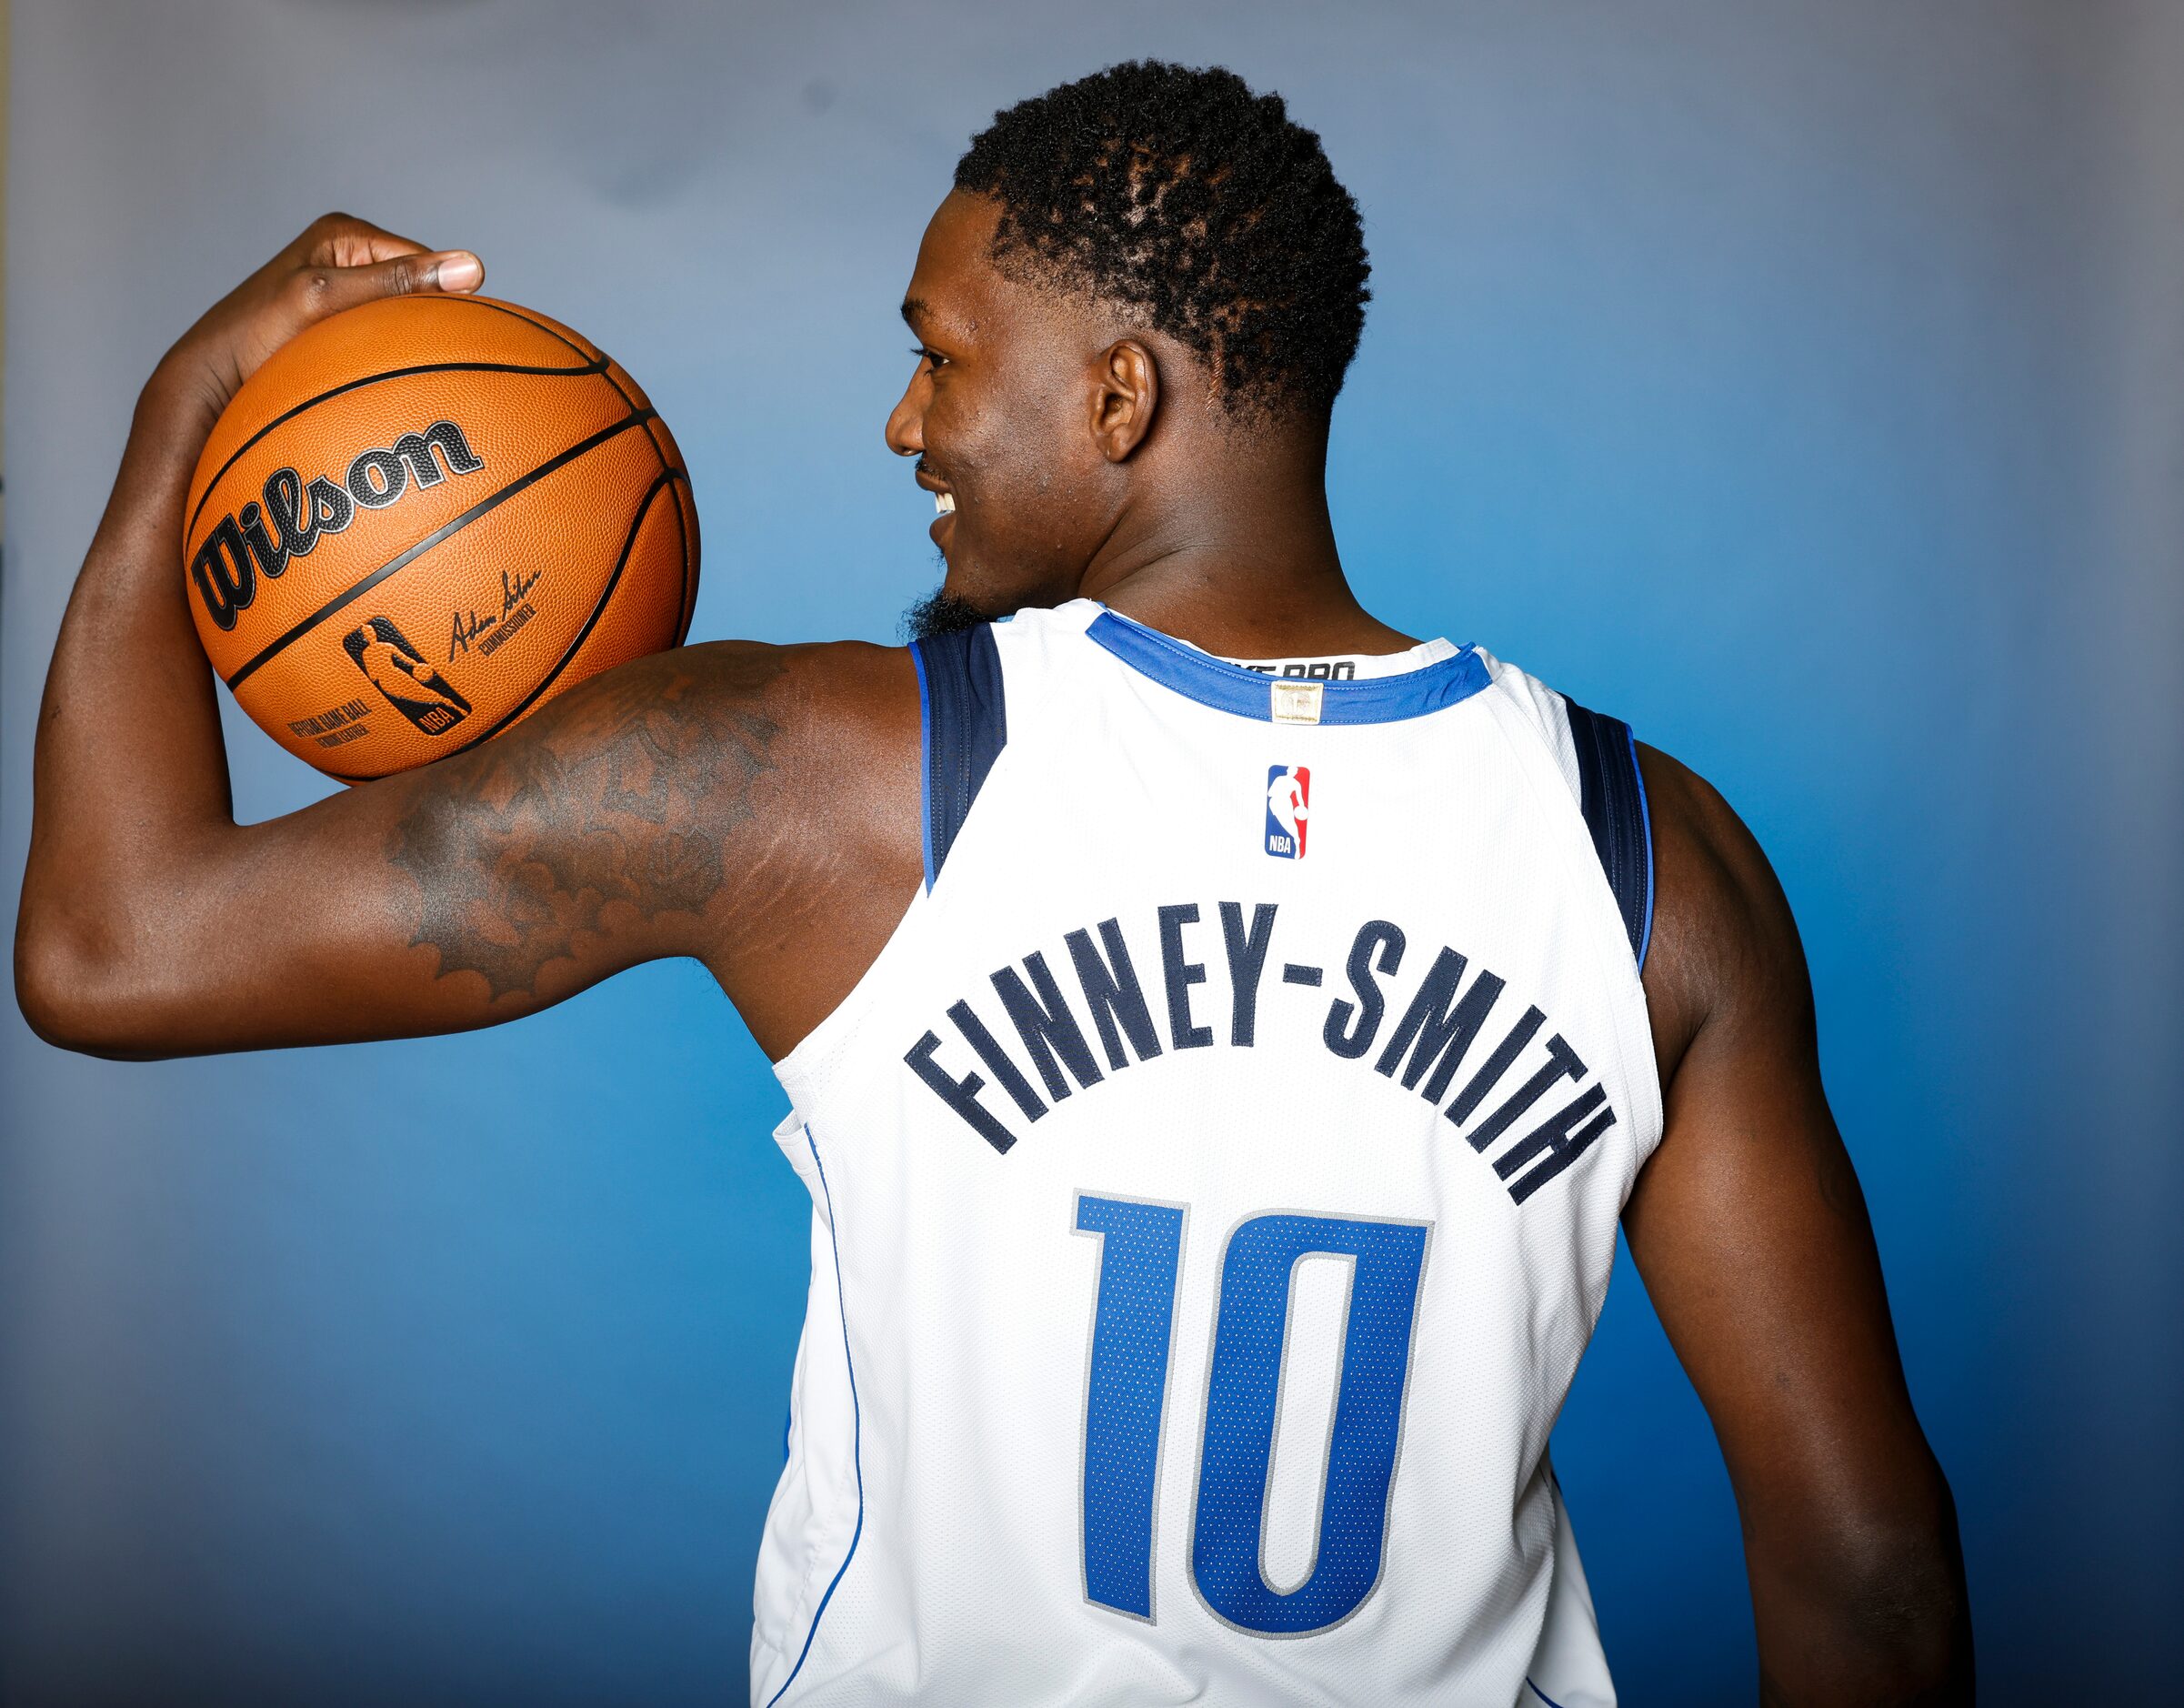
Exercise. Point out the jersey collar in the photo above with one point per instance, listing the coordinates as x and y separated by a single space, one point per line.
1230 688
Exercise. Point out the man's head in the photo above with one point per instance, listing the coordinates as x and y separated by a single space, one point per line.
1140 279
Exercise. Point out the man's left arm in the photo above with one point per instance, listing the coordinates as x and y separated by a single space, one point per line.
1751 1234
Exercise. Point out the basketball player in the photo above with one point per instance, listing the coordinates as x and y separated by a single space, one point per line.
1223 1032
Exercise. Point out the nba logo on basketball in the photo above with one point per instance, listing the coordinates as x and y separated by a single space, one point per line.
398 670
1288 805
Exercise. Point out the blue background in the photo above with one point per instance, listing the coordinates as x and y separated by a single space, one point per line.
1801 382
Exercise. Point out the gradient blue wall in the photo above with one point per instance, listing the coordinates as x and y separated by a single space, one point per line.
1801 382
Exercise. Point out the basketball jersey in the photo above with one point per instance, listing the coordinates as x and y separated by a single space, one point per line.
1214 1181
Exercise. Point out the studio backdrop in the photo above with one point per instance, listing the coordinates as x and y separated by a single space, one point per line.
1801 382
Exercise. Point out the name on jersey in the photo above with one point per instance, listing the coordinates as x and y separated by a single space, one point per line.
1528 1106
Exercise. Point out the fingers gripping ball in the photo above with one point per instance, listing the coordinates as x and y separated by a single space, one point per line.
424 518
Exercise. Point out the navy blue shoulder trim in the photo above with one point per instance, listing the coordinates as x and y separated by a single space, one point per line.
965 727
1613 796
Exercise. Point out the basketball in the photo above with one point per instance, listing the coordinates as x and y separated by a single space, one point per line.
422 518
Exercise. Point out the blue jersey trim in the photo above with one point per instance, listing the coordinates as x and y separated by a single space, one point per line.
1638 776
1543 1697
1230 688
856 1439
963 715
925 768
1612 797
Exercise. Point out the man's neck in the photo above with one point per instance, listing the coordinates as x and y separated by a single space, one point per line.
1242 563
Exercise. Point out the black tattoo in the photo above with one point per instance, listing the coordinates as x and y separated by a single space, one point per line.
620 795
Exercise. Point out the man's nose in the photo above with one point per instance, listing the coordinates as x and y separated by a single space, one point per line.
907 426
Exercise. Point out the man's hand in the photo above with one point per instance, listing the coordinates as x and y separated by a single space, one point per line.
337 262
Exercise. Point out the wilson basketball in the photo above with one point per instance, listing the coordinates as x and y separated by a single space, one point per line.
424 518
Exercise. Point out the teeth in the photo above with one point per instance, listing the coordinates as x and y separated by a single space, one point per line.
943 504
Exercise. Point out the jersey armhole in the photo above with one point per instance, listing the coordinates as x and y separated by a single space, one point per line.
1612 797
964 725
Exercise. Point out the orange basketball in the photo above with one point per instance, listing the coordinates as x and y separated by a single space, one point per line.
421 519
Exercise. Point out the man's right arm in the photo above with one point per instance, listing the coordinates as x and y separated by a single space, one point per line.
698 802
754 807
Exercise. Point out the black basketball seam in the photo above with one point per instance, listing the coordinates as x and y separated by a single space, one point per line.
667 477
689 601
609 375
599 366
682 529
607 361
527 317
605 370
447 529
530 319
688 606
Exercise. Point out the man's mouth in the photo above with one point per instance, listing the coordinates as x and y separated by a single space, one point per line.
943 497
944 502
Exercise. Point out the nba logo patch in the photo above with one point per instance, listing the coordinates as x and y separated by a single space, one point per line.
398 670
1288 807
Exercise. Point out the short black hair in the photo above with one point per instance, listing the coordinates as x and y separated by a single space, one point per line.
1179 192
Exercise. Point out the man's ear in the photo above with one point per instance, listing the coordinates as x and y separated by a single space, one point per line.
1126 397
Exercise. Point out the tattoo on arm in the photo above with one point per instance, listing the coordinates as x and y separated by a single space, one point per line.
619 797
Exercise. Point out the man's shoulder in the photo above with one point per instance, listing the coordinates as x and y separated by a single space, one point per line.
791 711
825 678
823 704
803 762
823 730
1724 943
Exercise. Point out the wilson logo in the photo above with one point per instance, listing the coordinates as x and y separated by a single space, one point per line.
291 516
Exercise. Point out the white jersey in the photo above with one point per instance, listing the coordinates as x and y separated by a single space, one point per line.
1215 1180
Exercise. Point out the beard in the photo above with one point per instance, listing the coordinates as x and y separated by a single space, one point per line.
940 612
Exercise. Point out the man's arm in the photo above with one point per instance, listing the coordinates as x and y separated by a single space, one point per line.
687 804
1751 1234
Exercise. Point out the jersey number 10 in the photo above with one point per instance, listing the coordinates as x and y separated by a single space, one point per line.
1141 1247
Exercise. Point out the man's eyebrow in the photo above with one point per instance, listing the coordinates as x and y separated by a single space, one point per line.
913 307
